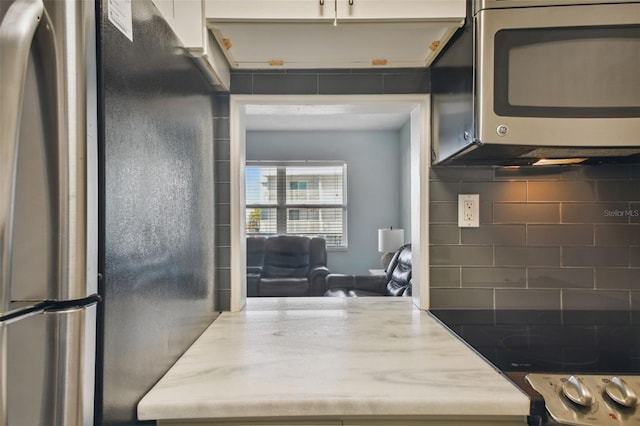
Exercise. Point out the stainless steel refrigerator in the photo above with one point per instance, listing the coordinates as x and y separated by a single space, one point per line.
48 213
106 210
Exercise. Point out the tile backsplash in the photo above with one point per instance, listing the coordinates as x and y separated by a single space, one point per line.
551 237
564 237
286 82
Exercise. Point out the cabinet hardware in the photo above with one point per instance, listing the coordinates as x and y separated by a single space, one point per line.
321 2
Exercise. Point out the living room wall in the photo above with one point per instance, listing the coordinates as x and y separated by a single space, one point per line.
373 182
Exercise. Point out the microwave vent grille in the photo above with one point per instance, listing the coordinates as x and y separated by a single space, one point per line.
559 152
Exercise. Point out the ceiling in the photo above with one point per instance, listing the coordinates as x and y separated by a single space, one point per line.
342 117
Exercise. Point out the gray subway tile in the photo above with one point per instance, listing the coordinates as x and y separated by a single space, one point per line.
221 108
223 257
223 192
635 301
444 277
221 128
593 212
596 172
528 299
560 191
223 300
560 277
528 173
494 277
224 279
241 83
222 171
486 212
617 235
443 212
595 256
444 191
458 298
494 234
634 171
444 234
618 278
407 82
285 84
222 150
223 235
619 190
331 84
634 257
635 209
223 214
459 173
595 299
527 256
526 213
496 191
461 255
560 235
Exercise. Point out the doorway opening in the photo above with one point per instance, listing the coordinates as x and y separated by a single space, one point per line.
303 113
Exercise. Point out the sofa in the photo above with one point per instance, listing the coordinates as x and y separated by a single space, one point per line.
286 266
396 280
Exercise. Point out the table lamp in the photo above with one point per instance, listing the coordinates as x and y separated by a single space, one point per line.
389 241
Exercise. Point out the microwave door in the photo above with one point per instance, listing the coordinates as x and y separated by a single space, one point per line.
558 76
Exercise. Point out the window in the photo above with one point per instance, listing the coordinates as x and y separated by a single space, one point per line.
297 198
294 185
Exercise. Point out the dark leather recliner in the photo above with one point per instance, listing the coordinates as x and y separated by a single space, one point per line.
395 282
292 266
255 259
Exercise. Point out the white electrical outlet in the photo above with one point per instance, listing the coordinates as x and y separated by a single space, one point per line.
468 210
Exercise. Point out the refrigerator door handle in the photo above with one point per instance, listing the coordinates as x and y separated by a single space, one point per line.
16 35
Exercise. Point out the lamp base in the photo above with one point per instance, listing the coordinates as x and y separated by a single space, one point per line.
385 259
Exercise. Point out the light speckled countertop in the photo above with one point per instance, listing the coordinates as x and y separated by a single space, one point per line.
329 358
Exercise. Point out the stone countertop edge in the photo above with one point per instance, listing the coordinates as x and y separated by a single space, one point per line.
330 358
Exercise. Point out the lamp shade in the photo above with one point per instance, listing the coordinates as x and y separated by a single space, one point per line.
390 240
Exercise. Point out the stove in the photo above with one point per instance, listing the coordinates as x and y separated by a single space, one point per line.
578 367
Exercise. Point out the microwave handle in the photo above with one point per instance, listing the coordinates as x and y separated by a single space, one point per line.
17 31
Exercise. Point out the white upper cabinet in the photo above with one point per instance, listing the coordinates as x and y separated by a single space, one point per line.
187 20
268 34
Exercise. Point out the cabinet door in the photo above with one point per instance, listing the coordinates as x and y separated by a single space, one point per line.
263 34
326 9
301 10
186 19
400 9
262 45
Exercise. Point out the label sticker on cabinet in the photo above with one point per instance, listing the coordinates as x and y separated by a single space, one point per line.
120 15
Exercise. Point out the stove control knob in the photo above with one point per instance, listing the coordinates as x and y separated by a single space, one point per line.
621 392
576 391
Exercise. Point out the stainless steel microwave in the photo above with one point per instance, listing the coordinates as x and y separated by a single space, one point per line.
539 79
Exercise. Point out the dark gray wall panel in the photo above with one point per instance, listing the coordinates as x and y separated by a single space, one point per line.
158 206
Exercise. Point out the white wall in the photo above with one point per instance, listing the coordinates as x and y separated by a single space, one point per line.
373 183
405 179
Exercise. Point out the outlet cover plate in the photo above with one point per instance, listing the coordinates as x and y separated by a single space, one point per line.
468 210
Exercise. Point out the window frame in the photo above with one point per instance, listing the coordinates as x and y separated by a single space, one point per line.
281 205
